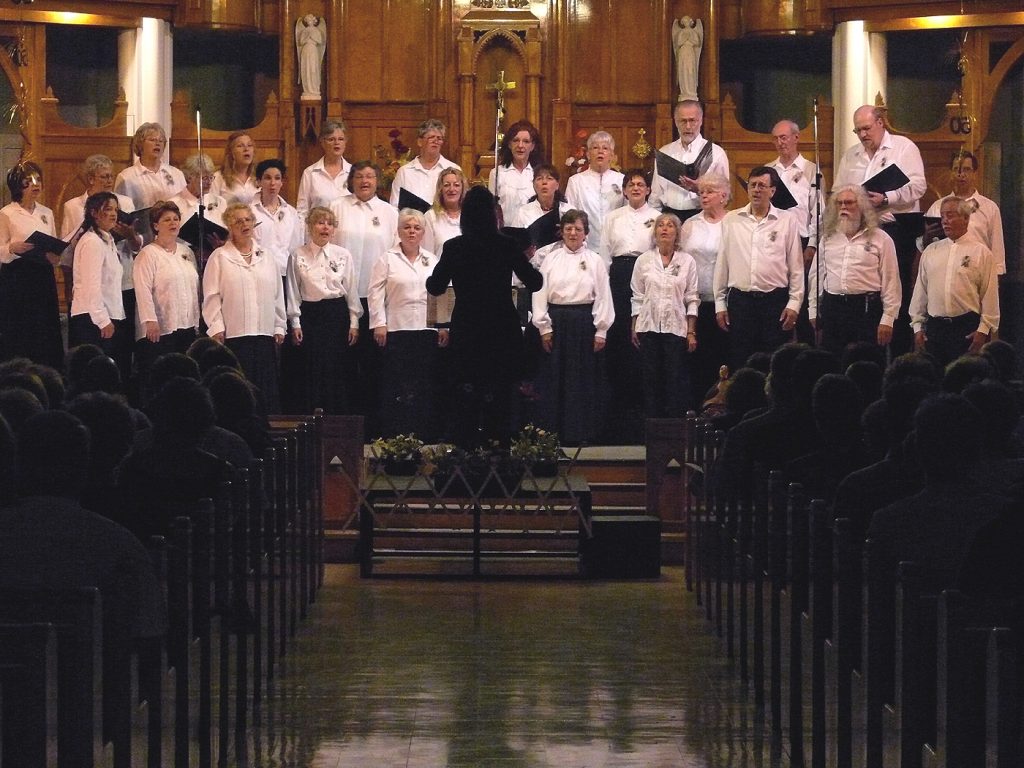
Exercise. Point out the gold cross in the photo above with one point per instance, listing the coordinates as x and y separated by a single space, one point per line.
500 85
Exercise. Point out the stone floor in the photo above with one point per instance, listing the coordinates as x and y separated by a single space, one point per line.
428 673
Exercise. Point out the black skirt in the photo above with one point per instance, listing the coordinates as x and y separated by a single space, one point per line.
570 386
324 355
29 313
258 358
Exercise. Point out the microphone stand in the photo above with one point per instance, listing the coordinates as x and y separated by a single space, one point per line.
202 195
814 217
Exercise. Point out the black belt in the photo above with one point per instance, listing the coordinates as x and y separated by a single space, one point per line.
851 298
759 294
973 316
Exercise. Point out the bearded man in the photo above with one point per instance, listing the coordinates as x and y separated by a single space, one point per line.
854 289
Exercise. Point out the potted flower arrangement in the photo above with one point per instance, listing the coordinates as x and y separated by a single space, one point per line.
537 449
390 159
398 455
441 463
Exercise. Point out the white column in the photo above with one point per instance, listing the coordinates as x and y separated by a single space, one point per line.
858 73
145 63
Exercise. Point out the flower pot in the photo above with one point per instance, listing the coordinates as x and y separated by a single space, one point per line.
544 468
401 466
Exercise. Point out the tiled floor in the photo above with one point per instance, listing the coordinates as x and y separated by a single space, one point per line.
392 673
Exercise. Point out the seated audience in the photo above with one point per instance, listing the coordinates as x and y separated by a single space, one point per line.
111 432
52 542
934 527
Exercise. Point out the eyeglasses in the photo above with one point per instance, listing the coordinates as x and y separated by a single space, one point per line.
688 120
859 129
846 203
759 185
242 220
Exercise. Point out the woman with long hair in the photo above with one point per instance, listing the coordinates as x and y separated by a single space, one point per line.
97 309
520 153
486 338
236 181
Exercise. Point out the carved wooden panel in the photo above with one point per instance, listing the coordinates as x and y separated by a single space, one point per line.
386 45
614 52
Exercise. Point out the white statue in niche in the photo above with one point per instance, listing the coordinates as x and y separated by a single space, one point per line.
310 45
687 42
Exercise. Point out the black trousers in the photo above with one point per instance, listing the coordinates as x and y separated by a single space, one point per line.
754 323
623 424
712 353
849 318
905 241
947 336
666 375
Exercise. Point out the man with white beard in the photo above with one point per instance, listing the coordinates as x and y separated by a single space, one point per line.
854 289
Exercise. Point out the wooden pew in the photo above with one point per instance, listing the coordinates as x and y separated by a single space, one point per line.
841 657
28 676
77 618
1002 701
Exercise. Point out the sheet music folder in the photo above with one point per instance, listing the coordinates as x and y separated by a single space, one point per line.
671 169
44 244
189 231
407 199
543 231
886 180
782 199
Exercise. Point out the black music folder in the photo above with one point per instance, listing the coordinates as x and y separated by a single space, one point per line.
886 180
43 244
782 199
189 231
671 169
543 231
407 199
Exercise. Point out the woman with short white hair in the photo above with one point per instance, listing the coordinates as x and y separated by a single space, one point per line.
243 302
398 318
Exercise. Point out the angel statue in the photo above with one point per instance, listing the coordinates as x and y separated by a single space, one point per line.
310 45
687 42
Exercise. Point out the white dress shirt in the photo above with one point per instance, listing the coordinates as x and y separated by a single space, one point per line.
574 277
515 187
365 230
17 224
955 278
166 289
627 230
398 290
663 296
759 256
440 229
986 225
239 193
146 187
665 192
856 167
316 187
864 263
799 176
596 194
240 298
316 274
702 239
97 279
279 232
421 181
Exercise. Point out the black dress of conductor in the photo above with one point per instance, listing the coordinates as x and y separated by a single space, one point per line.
486 337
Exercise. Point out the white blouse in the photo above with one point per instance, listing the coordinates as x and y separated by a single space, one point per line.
701 239
627 230
515 187
421 181
71 220
531 211
97 280
239 193
279 232
366 230
166 289
243 299
316 187
398 291
574 277
315 274
440 229
597 194
663 296
17 224
145 187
